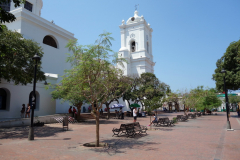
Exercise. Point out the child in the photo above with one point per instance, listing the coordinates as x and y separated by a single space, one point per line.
154 120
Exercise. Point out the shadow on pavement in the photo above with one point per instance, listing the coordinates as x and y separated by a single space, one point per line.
22 132
116 146
93 122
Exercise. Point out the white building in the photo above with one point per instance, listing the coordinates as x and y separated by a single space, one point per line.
136 46
53 40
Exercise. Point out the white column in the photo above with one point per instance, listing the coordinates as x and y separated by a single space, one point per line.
123 41
141 38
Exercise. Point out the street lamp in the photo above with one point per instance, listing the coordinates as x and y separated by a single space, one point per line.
35 58
226 99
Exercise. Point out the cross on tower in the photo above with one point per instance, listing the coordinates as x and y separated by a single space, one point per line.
137 5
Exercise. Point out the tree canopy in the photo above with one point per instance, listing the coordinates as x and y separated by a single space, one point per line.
16 62
93 75
230 61
6 16
202 99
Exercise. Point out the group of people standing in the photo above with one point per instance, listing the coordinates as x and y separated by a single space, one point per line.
25 111
72 110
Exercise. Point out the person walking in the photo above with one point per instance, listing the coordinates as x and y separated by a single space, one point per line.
23 111
134 114
28 111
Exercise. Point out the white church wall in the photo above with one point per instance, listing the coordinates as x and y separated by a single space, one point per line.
19 94
32 26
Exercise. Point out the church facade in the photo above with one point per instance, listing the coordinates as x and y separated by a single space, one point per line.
53 40
136 48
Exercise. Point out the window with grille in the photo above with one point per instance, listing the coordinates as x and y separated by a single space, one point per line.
28 6
5 6
48 40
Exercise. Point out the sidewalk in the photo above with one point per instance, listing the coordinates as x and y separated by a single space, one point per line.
202 138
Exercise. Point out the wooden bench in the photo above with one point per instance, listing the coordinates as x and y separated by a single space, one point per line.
192 115
130 129
199 114
165 122
182 118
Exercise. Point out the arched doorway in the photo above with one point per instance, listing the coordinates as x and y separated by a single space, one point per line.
3 99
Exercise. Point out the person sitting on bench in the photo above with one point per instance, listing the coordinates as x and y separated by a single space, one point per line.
154 120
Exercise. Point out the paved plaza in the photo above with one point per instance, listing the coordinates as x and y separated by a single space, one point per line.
202 138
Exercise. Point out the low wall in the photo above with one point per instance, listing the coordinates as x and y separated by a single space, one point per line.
26 121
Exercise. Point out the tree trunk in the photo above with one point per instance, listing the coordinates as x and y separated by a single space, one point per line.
79 106
108 110
97 130
150 123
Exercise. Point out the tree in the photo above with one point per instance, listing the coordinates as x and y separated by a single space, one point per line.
117 91
94 73
150 89
66 90
203 99
6 16
16 62
131 94
230 61
234 99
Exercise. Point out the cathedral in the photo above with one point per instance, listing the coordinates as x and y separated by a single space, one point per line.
136 48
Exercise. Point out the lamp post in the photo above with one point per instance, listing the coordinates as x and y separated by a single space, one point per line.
226 99
35 58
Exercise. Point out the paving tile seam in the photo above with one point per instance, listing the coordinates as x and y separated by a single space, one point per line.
220 147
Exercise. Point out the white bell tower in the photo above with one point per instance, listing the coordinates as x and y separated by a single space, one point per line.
136 46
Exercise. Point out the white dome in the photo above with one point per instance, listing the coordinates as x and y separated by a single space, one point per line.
135 18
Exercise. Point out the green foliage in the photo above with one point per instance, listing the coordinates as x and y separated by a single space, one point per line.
16 62
151 91
234 99
93 75
174 119
230 61
6 16
201 99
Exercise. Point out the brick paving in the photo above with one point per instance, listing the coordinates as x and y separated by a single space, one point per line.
203 138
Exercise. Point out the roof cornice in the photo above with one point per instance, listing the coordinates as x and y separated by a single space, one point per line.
21 13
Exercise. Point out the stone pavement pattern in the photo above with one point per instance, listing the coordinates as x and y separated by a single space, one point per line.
204 138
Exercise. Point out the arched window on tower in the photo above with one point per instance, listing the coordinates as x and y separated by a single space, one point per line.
3 99
133 46
48 40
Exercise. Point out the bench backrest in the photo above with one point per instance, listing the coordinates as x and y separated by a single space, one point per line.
123 126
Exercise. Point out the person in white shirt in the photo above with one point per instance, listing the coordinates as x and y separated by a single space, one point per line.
134 115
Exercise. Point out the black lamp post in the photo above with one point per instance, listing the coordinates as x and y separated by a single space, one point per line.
226 99
35 58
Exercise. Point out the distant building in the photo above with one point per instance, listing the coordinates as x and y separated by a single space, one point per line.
233 107
53 40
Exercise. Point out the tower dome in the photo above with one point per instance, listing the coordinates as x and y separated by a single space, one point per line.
135 18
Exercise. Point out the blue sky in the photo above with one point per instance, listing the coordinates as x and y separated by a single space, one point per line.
188 35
